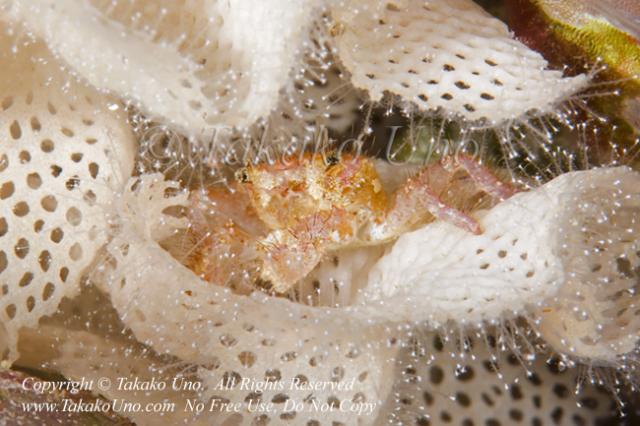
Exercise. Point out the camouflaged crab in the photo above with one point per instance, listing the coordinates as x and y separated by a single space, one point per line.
283 218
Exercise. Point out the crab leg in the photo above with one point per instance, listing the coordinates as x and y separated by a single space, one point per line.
449 214
409 205
481 175
415 196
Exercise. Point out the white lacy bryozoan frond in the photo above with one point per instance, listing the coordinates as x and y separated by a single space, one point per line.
203 65
66 151
563 255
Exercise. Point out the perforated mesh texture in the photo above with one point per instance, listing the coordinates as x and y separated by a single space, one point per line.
233 336
595 315
64 149
448 55
85 340
197 64
525 255
436 386
70 168
201 65
221 331
433 383
82 355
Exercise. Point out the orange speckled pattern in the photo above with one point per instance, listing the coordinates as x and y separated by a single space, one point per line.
285 192
280 219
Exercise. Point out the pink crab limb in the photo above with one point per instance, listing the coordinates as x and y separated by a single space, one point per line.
480 175
417 196
300 240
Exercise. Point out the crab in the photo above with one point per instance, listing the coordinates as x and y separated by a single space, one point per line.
284 218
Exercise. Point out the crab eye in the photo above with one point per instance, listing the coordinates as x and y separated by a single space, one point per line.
333 159
242 176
